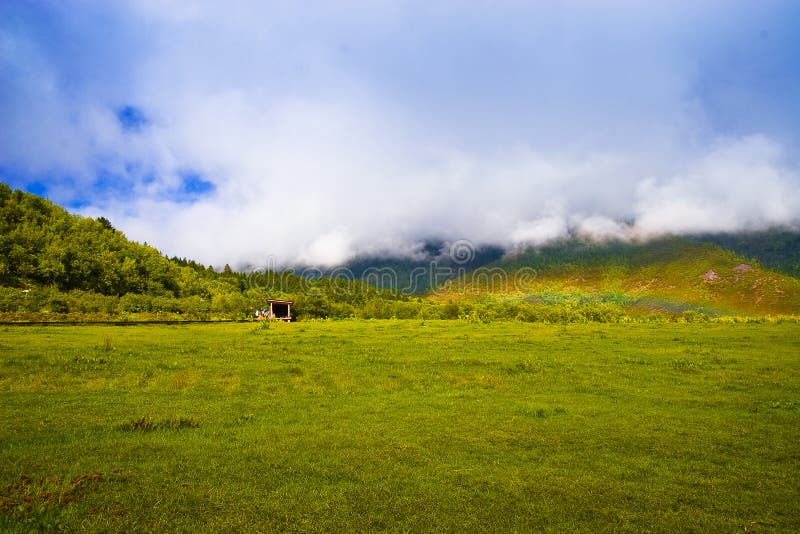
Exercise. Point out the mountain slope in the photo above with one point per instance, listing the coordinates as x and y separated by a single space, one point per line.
666 274
776 249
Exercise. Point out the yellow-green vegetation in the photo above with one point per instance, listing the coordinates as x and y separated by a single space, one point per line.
665 275
401 426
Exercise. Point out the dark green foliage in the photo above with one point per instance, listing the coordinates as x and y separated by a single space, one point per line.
42 244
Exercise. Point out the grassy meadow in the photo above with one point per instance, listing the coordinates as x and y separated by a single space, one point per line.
401 426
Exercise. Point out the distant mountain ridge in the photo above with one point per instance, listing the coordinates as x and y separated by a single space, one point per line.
747 272
418 276
777 249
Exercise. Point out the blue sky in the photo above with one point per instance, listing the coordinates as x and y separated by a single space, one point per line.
243 131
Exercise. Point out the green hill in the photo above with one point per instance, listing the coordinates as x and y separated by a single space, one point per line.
671 274
54 263
41 244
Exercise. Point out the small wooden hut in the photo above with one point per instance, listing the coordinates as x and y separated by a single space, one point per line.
278 309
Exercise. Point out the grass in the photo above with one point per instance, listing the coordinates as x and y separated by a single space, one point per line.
401 426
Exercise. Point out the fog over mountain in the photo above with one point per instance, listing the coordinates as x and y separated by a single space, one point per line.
255 132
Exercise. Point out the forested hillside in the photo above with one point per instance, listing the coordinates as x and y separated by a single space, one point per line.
53 262
43 244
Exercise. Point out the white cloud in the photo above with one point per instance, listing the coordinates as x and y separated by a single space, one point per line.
741 184
600 228
539 231
330 249
369 126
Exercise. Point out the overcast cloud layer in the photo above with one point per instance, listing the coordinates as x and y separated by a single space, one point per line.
243 131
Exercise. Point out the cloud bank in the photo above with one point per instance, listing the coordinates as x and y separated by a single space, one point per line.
263 132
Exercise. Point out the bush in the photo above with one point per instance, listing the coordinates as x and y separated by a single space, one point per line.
450 311
133 303
691 316
89 302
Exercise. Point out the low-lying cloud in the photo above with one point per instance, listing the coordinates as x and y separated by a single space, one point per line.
264 133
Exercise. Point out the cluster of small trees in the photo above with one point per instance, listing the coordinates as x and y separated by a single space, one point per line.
44 302
420 308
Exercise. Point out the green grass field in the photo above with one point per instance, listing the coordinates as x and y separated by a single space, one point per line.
401 426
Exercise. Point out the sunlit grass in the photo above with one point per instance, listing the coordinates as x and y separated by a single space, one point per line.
403 425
